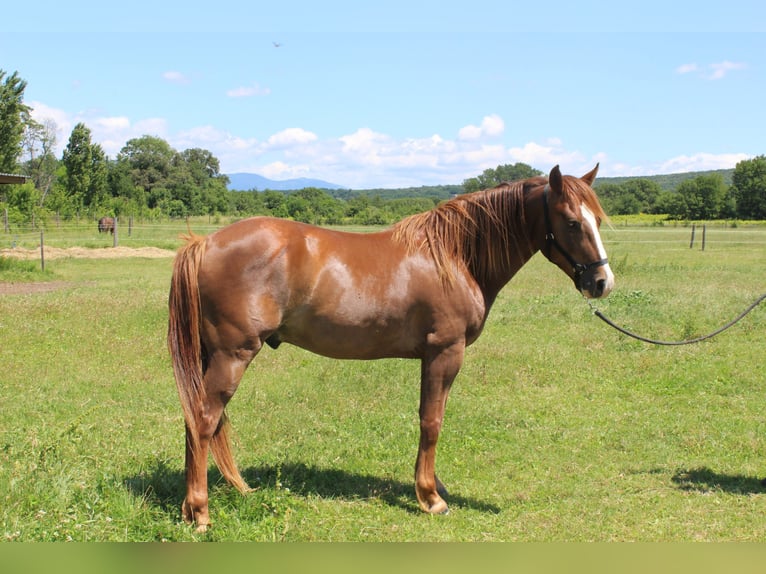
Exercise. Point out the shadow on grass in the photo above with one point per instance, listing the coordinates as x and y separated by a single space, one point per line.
705 480
334 483
163 487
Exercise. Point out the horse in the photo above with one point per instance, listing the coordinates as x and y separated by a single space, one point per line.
106 224
421 289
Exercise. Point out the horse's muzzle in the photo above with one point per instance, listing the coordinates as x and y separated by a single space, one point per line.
596 281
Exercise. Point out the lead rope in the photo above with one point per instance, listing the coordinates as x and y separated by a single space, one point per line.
731 323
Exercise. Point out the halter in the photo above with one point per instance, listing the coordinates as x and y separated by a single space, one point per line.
578 269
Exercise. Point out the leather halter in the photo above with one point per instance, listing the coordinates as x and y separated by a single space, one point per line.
578 269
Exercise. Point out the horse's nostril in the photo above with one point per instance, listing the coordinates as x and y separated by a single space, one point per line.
600 286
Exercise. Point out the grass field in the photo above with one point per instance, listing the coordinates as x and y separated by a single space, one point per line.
557 429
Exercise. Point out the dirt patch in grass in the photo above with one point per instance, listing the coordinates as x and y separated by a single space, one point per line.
25 288
30 288
84 252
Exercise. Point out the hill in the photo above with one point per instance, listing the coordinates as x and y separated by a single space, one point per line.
248 181
668 182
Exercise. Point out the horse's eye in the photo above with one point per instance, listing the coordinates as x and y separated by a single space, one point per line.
574 225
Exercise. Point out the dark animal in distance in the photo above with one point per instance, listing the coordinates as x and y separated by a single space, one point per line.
106 224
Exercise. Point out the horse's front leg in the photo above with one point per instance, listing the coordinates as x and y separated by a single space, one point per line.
437 373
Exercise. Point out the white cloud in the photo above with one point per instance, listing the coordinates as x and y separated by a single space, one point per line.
111 132
290 137
491 126
362 139
366 158
116 123
686 68
176 77
547 154
248 91
715 71
281 170
40 112
701 162
719 70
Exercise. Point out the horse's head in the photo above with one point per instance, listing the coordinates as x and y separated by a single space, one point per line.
572 216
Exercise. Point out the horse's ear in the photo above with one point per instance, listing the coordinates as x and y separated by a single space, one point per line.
555 180
590 177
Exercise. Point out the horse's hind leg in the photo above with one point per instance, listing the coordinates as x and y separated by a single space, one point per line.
437 374
221 379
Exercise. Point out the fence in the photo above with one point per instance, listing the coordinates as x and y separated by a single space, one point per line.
704 235
130 232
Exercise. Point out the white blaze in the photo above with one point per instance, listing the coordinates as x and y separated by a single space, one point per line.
590 219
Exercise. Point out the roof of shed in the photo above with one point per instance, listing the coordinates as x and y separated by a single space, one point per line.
11 178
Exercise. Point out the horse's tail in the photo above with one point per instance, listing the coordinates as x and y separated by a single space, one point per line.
184 341
186 352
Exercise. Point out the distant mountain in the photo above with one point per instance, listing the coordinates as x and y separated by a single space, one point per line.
248 181
669 181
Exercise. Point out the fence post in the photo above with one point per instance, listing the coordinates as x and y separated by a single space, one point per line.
115 241
704 232
42 250
5 220
691 243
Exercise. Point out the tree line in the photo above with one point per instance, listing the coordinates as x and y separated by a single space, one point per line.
704 197
151 180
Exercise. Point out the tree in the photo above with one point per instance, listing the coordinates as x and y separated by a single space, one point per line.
203 169
275 203
86 169
704 196
133 197
202 165
492 177
78 160
749 188
179 184
149 160
644 192
39 144
671 204
14 115
98 191
632 196
23 201
615 199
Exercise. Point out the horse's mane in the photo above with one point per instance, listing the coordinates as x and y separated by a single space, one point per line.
483 229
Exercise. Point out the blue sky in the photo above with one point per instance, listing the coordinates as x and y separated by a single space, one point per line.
404 93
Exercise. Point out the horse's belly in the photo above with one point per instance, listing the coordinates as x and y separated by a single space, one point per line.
363 339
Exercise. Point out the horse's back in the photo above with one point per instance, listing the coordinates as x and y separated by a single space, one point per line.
282 247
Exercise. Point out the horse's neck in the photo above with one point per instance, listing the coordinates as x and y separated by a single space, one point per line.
523 247
491 286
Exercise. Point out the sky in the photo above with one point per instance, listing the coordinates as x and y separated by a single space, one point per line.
398 94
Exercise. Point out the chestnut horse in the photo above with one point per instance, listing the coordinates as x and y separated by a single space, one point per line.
106 224
421 290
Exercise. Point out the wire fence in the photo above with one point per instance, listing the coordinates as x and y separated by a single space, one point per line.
126 231
132 232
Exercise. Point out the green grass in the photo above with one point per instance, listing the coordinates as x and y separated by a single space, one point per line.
558 428
21 271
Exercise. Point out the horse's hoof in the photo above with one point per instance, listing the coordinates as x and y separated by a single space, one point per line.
441 508
201 528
